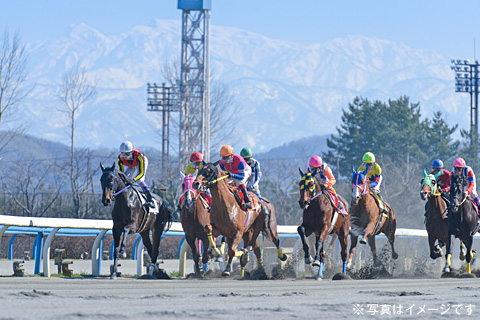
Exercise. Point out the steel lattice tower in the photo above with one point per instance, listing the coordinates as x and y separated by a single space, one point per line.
194 79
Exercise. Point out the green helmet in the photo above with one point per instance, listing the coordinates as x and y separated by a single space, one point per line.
246 152
368 157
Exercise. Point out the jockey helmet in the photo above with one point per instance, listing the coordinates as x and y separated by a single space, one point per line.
196 157
315 162
437 164
459 163
126 146
226 150
246 152
368 157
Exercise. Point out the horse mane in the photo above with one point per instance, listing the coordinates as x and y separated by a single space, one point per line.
126 180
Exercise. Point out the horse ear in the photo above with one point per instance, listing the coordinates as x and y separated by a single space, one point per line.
301 173
182 174
113 166
353 169
195 174
437 175
216 163
424 173
102 167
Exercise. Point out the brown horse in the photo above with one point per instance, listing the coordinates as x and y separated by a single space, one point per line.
366 219
320 217
194 216
228 219
129 216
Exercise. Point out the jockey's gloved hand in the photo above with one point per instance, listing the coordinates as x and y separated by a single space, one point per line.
228 174
373 184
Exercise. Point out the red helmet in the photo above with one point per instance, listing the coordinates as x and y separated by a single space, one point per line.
196 157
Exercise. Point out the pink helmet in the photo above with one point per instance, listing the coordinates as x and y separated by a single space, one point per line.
459 163
315 162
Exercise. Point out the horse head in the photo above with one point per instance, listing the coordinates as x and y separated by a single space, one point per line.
109 184
189 192
457 194
360 185
429 185
309 188
207 177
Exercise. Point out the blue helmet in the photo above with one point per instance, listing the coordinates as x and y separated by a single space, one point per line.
437 164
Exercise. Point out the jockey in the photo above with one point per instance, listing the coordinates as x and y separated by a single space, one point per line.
325 175
196 163
461 169
134 164
374 172
237 169
443 180
253 181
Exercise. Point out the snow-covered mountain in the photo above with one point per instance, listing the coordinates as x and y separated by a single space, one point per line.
285 90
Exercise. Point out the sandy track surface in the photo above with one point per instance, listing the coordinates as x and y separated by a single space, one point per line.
132 298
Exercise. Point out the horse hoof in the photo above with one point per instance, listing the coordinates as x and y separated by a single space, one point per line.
447 269
226 274
395 255
216 253
308 260
123 255
316 263
284 257
363 241
318 278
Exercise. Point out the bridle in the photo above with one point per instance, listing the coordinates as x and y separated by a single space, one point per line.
304 185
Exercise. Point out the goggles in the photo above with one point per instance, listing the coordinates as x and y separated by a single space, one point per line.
127 154
195 164
458 169
227 158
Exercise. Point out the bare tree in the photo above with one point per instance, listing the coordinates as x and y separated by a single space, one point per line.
75 90
13 72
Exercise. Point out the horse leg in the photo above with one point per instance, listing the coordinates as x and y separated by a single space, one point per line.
448 254
320 254
205 254
318 248
117 233
435 250
353 248
270 231
373 248
469 254
215 252
301 232
463 251
391 239
196 256
343 238
148 245
368 232
232 246
122 253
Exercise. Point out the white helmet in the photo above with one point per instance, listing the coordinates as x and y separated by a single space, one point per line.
126 146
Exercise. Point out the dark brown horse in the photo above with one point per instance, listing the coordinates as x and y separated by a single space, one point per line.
436 221
194 216
366 219
129 216
462 220
320 217
228 219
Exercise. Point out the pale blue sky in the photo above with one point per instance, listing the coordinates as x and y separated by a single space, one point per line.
448 27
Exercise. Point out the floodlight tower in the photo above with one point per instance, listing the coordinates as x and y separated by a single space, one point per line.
194 79
466 80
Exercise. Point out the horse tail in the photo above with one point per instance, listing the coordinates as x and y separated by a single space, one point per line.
168 212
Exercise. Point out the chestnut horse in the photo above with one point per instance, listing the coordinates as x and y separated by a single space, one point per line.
319 217
462 220
194 216
129 216
228 219
366 219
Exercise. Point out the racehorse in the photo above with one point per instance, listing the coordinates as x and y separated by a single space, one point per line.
194 216
366 218
129 215
462 220
230 220
320 217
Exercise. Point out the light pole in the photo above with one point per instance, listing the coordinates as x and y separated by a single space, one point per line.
466 80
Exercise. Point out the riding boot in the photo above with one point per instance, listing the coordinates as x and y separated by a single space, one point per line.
248 204
477 201
150 202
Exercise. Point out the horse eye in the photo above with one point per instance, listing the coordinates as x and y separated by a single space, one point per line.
433 181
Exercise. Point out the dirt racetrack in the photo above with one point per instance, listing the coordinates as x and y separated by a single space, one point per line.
132 298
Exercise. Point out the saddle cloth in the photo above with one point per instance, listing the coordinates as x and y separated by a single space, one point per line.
239 197
334 201
204 198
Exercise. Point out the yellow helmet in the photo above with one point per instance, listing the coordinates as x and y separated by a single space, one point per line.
368 157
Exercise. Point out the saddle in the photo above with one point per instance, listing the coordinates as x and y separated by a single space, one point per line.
474 205
334 201
148 211
381 205
239 197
